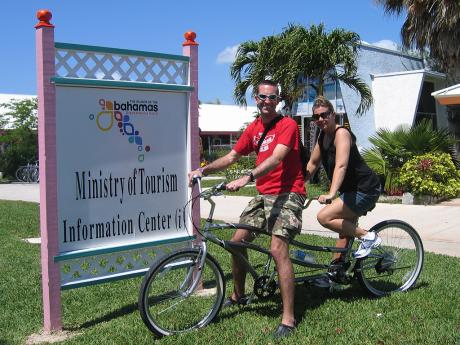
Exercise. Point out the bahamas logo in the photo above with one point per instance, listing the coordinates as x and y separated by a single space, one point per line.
121 113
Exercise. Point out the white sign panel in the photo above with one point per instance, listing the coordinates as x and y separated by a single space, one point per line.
122 166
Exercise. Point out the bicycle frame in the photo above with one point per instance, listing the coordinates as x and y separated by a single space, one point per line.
235 248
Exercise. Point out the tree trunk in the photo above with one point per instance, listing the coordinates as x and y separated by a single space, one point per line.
453 72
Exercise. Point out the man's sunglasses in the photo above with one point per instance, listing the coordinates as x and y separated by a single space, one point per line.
263 97
323 115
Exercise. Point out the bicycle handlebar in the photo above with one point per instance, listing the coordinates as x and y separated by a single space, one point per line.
218 188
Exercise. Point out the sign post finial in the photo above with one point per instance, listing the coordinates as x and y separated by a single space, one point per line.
190 39
44 16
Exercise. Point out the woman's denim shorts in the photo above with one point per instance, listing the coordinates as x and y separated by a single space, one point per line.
360 203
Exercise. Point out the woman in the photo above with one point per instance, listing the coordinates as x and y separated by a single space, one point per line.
358 186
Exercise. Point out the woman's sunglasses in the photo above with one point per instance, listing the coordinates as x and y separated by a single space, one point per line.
263 97
323 115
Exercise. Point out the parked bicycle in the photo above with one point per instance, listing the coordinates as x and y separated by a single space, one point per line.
185 289
28 173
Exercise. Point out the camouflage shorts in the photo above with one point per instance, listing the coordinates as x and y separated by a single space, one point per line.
278 214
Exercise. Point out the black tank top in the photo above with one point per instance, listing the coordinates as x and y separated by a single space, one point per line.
358 177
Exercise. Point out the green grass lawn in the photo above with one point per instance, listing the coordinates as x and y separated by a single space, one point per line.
107 313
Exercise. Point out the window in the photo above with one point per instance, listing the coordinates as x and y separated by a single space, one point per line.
331 91
426 109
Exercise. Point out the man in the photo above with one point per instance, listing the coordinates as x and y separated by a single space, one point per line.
278 207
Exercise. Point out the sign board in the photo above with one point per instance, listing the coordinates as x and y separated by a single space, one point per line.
121 166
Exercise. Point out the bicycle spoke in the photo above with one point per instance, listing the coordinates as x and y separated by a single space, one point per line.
172 306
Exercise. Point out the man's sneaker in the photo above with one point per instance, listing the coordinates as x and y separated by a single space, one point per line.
229 302
283 331
366 246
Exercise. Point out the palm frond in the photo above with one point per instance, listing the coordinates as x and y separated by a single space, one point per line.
298 51
431 24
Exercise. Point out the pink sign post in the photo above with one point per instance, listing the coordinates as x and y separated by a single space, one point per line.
170 95
190 48
47 155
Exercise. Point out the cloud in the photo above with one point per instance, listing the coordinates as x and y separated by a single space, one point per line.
227 55
387 44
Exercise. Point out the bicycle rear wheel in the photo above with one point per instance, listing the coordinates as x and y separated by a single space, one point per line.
165 306
396 264
34 176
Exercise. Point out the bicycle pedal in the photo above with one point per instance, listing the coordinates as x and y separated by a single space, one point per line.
323 282
339 277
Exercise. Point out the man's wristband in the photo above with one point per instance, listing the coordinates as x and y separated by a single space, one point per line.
251 176
201 170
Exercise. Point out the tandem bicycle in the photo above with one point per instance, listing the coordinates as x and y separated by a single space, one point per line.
185 289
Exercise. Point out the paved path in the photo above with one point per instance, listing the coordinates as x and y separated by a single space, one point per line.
439 226
20 191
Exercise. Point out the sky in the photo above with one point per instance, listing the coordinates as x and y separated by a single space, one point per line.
159 26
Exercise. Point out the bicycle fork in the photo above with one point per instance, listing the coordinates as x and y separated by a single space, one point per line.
194 272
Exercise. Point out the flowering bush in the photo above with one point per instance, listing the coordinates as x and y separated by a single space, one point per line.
239 168
431 174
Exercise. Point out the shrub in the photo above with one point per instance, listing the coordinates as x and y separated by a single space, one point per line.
391 149
213 155
20 140
21 149
236 170
323 180
432 174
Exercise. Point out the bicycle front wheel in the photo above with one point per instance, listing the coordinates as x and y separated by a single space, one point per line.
396 264
167 305
20 174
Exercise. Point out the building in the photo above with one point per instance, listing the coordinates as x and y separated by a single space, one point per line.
220 125
401 89
450 98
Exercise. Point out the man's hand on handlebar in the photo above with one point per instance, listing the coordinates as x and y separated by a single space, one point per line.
197 173
238 183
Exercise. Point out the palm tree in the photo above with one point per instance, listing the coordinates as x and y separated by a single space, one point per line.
433 24
295 52
251 66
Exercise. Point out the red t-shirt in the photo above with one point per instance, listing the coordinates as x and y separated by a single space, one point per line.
287 176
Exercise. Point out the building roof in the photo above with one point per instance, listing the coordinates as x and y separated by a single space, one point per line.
411 54
448 96
426 72
221 118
